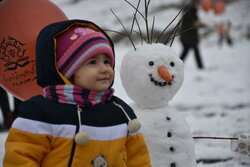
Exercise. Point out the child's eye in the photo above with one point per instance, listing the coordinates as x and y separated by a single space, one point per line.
92 62
107 61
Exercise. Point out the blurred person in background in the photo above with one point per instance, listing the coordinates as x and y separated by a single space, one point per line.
5 108
189 32
17 103
224 33
8 115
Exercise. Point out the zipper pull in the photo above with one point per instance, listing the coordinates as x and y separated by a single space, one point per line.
81 137
79 109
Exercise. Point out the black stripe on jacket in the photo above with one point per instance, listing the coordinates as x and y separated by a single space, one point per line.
101 115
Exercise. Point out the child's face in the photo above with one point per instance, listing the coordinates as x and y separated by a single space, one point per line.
95 74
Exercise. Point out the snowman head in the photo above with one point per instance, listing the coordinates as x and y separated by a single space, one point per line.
152 74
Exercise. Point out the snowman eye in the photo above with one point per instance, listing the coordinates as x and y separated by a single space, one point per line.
151 63
172 64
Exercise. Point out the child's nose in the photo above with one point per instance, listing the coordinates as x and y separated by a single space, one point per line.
103 67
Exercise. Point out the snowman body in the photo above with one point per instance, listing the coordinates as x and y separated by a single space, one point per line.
168 137
151 75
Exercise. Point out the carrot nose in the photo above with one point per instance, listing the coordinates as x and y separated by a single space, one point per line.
163 72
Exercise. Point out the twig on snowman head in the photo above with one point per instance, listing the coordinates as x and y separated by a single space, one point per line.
120 33
176 28
136 8
167 26
174 32
146 18
177 34
134 18
149 36
129 34
140 32
124 29
152 29
142 38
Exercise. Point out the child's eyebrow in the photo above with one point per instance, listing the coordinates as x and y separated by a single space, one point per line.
106 56
91 58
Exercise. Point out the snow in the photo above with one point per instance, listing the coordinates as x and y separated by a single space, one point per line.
215 101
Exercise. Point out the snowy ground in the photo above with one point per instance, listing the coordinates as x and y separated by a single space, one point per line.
216 100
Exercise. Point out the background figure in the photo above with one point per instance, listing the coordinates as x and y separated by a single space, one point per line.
224 33
8 115
5 107
189 33
17 103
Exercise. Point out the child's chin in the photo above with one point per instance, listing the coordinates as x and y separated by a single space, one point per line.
102 88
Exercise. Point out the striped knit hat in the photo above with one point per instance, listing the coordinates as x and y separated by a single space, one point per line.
77 45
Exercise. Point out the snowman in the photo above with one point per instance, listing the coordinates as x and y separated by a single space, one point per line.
151 76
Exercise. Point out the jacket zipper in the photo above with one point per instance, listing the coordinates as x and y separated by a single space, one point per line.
72 154
73 146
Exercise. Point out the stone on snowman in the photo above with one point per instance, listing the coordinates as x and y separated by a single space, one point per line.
151 76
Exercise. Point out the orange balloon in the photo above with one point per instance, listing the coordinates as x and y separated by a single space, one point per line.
206 5
219 7
20 24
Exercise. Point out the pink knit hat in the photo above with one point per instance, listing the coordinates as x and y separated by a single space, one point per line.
77 45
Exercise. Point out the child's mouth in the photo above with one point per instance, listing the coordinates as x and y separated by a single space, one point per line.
103 79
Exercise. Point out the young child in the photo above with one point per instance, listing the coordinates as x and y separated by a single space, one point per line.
78 122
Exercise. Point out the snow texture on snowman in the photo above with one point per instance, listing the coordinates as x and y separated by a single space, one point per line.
151 76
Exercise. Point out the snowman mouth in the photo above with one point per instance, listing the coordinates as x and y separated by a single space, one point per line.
159 83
